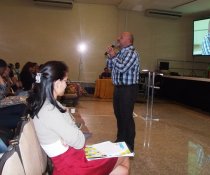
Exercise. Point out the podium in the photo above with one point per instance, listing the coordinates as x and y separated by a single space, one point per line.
104 88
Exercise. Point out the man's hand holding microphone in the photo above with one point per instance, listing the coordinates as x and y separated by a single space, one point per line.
112 50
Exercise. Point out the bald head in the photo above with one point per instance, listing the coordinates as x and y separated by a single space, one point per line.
125 39
129 36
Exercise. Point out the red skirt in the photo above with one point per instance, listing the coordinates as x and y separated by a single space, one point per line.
74 162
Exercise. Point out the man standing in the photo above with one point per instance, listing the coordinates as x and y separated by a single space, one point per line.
125 76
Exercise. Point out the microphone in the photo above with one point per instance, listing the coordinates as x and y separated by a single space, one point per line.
106 53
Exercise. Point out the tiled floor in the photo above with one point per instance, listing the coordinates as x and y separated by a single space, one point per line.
177 144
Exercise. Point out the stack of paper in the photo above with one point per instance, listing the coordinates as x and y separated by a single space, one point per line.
106 150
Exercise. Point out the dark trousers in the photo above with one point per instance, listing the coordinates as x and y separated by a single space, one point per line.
11 115
123 103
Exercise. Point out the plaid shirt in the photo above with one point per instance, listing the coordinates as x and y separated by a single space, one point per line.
206 45
125 66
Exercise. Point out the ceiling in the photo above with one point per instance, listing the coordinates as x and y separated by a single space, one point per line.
186 7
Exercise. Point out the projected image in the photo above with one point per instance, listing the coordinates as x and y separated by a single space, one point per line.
201 43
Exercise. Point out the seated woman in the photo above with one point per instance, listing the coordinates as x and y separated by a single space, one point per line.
13 84
10 115
57 133
27 75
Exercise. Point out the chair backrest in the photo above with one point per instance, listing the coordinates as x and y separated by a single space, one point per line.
40 151
33 158
10 163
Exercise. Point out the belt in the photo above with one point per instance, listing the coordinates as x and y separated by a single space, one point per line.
130 85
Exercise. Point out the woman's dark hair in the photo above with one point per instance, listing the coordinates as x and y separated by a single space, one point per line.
49 73
3 63
26 67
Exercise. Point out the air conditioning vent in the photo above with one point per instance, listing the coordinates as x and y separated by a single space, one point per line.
55 3
163 14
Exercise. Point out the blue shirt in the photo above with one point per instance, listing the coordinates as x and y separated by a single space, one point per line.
125 66
206 45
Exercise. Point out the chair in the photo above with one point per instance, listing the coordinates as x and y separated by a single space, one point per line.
10 163
34 159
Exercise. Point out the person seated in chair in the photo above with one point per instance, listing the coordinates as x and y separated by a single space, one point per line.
106 74
9 115
58 134
13 84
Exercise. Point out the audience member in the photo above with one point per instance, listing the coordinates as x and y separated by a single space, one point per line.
27 75
17 70
105 74
57 132
8 81
11 67
3 86
10 115
125 76
13 84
